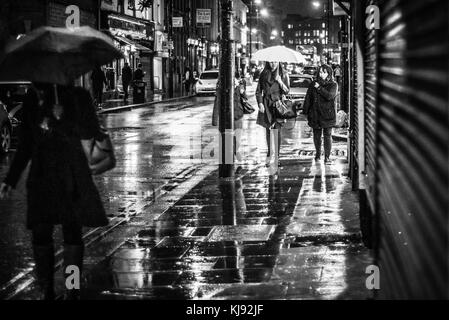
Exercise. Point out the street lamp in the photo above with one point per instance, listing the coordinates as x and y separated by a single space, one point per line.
316 4
253 3
264 12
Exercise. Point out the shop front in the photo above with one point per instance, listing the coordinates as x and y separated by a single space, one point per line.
135 38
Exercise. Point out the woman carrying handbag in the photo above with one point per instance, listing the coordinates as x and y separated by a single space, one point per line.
62 138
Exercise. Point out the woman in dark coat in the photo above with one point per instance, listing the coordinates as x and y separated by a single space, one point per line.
319 106
238 113
273 84
60 189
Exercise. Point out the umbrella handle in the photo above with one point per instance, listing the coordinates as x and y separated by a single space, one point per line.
55 87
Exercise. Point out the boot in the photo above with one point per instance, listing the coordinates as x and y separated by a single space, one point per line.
73 256
44 258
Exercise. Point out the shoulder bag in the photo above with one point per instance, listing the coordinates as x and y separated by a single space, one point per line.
99 153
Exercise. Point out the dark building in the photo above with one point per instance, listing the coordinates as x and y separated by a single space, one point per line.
299 32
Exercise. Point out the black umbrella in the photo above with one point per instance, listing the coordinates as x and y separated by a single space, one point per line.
56 55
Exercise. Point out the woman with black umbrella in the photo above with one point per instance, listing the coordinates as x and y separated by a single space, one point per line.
60 189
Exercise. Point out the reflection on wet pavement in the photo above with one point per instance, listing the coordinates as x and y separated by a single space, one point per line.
235 240
293 234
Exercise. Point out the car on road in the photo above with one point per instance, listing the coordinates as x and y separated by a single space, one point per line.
299 84
207 83
12 96
310 70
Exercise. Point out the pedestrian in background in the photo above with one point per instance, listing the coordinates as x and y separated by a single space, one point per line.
319 106
193 81
127 77
187 80
239 94
273 84
138 73
60 189
98 81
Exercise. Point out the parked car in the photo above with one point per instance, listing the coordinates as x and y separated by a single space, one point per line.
298 87
12 95
207 83
5 129
311 70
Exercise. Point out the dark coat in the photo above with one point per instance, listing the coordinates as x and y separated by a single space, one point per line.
139 75
60 189
319 105
238 107
267 92
127 74
98 79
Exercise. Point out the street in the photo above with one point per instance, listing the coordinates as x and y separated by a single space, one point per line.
177 232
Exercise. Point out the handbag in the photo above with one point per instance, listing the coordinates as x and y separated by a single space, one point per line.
247 107
285 109
99 153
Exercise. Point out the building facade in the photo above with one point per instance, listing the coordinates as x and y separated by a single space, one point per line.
301 33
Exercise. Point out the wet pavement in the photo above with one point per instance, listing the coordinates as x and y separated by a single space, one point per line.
179 232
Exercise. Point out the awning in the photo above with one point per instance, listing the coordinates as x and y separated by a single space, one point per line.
130 42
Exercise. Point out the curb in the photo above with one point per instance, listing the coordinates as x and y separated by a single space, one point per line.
141 105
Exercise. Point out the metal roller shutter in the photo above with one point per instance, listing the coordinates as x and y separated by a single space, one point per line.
371 81
412 148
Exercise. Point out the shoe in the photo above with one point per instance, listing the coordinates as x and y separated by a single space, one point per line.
44 258
317 158
327 161
73 256
269 161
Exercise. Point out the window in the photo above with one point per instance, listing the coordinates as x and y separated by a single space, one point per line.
290 41
282 33
209 75
300 82
290 26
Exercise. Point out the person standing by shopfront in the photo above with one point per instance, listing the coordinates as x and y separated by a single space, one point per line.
127 77
98 82
319 106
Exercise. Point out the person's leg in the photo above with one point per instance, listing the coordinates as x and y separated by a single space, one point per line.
276 134
238 137
268 140
125 90
327 143
44 258
317 141
73 259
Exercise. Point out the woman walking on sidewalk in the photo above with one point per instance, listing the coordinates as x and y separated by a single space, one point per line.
319 106
60 189
273 84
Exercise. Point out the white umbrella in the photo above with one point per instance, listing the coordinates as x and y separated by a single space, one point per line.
279 54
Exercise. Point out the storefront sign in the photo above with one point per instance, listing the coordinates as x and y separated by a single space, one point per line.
73 20
203 16
177 22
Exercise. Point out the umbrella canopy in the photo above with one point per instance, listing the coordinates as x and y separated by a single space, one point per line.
279 54
56 55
